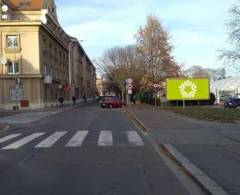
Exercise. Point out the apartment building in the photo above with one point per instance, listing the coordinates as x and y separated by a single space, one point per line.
39 61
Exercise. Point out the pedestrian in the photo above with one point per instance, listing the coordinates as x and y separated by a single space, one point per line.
134 99
73 100
61 100
84 98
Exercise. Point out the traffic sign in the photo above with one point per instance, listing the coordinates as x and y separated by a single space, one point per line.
16 94
129 81
130 86
4 8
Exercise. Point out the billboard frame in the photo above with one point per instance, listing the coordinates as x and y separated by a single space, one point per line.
186 80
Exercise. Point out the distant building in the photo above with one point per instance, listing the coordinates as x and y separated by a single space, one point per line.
39 61
229 87
100 87
200 72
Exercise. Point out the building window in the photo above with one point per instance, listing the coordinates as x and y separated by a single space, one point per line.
12 41
13 68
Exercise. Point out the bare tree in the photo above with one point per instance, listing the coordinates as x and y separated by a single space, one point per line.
120 63
154 47
233 55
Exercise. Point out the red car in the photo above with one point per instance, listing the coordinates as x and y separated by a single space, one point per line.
111 102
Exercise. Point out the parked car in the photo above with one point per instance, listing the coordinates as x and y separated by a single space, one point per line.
232 103
101 98
111 102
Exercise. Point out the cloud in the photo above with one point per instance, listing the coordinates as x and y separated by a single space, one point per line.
197 27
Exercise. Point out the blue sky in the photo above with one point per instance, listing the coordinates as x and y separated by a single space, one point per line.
197 28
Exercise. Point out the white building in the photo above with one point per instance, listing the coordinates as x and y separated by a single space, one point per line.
229 87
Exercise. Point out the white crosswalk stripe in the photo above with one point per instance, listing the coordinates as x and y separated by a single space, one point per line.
23 141
48 142
134 138
9 137
77 139
105 138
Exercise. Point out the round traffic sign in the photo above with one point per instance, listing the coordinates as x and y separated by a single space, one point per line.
129 81
130 86
4 8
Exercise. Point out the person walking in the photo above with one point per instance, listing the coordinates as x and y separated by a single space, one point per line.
73 100
85 98
61 100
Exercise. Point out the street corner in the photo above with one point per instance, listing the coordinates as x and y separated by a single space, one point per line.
3 127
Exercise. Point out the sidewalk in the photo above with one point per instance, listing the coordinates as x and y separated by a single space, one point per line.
29 116
211 146
3 127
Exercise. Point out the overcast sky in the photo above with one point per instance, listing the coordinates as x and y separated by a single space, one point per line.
197 28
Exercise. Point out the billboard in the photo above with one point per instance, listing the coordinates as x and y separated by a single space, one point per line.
188 89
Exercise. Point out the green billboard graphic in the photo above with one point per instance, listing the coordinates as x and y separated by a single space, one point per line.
188 89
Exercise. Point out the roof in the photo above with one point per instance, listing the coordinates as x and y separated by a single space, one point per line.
27 5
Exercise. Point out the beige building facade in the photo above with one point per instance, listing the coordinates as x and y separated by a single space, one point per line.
39 61
100 87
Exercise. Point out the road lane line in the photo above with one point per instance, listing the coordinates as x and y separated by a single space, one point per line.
23 141
105 138
49 141
77 139
9 137
134 138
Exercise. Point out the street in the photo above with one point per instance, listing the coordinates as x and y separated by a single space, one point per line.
86 150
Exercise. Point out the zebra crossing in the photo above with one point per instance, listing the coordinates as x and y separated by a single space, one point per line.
105 139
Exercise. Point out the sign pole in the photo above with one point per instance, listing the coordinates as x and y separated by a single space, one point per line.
17 87
155 97
126 95
129 87
184 104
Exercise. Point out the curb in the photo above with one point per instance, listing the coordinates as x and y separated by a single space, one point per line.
138 121
199 176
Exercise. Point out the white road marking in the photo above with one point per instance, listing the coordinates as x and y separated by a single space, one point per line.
77 139
49 141
105 138
9 137
23 141
134 138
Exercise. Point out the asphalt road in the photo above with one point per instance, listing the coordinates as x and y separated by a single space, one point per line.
84 151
